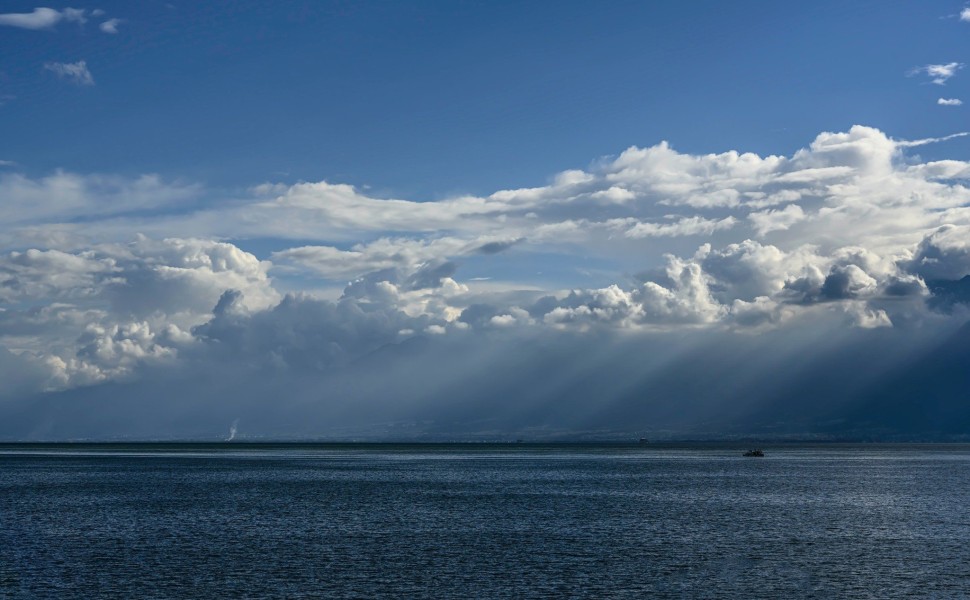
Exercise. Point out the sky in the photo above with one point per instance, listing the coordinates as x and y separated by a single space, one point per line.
484 220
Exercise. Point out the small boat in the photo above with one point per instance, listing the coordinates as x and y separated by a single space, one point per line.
757 452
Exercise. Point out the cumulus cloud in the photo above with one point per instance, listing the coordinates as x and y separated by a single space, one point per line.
672 196
949 102
185 277
965 14
302 332
850 231
98 314
943 254
938 74
77 73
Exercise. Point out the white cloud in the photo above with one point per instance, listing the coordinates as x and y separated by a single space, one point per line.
43 18
776 220
761 263
52 274
757 315
114 351
47 18
386 253
40 18
867 318
965 14
687 299
98 314
838 176
650 240
860 151
942 169
687 226
749 270
943 254
110 26
62 197
949 102
925 141
939 74
515 317
74 72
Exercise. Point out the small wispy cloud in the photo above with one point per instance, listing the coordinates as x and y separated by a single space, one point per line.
74 72
926 141
110 26
7 163
75 15
939 73
949 102
43 18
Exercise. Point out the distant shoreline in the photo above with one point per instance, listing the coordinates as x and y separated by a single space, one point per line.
490 444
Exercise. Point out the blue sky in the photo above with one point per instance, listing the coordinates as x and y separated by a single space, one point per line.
424 100
406 209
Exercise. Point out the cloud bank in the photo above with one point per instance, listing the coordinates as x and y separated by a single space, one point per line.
655 284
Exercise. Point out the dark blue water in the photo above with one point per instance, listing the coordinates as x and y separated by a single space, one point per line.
482 521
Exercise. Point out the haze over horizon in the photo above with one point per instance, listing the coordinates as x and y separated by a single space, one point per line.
484 220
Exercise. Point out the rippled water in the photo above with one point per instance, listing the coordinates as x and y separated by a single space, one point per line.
481 521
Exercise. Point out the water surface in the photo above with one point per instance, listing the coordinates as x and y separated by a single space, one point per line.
480 520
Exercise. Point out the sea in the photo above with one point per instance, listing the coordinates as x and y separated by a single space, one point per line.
510 520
